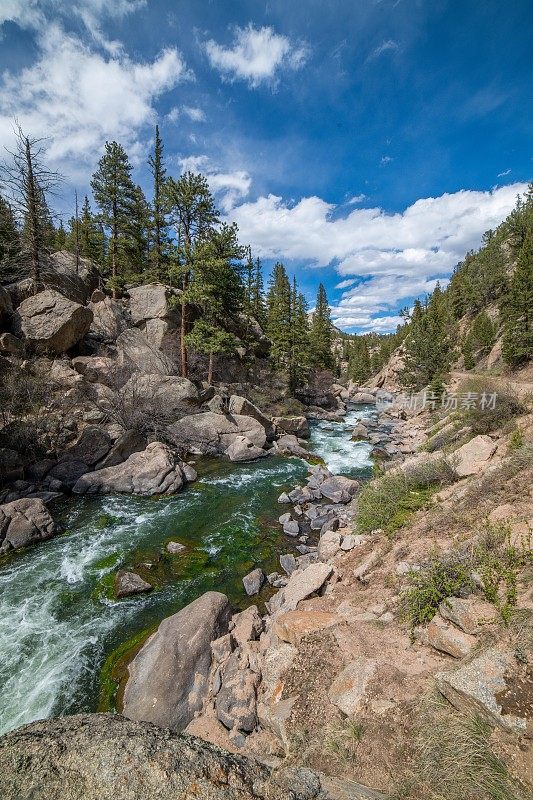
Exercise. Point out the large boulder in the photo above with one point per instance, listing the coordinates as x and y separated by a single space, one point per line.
338 488
241 406
109 757
212 433
132 441
136 352
75 281
52 323
95 369
154 471
242 449
109 319
167 394
168 678
298 426
92 446
152 312
473 456
24 522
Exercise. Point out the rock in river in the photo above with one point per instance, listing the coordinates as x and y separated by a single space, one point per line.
128 583
24 522
168 678
154 471
254 581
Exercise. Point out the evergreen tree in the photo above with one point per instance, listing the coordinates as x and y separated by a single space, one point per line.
159 250
60 237
428 342
468 354
517 309
136 234
359 364
483 332
258 295
278 327
321 334
194 216
299 351
115 196
92 238
216 288
9 241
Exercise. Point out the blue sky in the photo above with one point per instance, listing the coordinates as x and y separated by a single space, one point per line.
366 143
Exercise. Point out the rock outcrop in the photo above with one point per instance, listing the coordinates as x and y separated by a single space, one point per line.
211 433
151 311
155 470
52 323
108 757
167 680
24 522
168 395
135 351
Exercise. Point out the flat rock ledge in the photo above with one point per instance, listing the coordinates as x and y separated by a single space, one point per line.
106 757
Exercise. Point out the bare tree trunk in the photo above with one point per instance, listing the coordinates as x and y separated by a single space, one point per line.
210 370
33 214
183 346
114 237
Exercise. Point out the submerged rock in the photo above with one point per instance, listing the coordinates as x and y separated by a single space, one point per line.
128 583
167 680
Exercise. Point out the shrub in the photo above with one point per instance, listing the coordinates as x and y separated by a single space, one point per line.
389 501
444 576
498 563
484 419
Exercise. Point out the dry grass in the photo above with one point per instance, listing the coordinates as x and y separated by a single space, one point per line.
453 759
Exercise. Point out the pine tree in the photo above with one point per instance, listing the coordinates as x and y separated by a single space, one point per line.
194 215
216 288
258 295
114 193
428 343
159 250
359 365
517 309
321 334
27 180
9 241
92 237
483 332
278 327
468 355
136 235
60 237
299 350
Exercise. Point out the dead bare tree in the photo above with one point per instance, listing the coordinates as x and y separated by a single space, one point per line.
26 183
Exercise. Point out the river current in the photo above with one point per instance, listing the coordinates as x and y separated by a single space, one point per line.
58 621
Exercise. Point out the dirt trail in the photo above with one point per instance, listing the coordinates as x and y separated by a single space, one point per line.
521 383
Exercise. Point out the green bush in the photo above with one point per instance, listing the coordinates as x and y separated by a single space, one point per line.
498 563
444 576
389 501
486 419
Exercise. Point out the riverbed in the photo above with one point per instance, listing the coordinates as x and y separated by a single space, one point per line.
58 621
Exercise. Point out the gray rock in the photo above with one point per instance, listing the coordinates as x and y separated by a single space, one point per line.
242 449
6 306
92 446
128 583
210 433
246 626
134 350
11 464
52 323
302 584
129 442
108 757
339 489
109 320
298 426
240 406
168 395
284 518
291 528
11 345
154 471
167 679
288 563
68 471
24 522
236 701
289 445
329 545
284 498
253 581
175 548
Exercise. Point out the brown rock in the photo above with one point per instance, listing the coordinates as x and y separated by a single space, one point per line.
128 583
293 625
447 638
473 456
348 690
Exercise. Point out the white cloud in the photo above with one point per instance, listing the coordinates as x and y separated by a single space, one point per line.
230 186
357 198
78 98
503 174
402 253
387 45
192 112
255 55
386 160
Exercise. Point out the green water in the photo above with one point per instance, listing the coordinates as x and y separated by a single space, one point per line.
58 619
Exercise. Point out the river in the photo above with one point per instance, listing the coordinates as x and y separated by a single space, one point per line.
58 621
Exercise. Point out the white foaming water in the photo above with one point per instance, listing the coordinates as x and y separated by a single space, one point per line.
332 441
55 630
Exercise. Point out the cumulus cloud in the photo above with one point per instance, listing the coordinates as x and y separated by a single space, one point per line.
401 254
79 97
256 55
230 186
